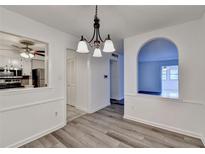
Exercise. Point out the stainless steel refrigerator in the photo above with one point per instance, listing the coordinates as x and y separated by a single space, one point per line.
38 76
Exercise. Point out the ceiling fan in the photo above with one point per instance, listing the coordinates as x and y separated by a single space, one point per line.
27 51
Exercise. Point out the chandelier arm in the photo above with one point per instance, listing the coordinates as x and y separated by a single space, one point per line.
89 43
96 39
100 36
92 36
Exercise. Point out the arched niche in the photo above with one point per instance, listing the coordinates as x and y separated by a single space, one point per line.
157 62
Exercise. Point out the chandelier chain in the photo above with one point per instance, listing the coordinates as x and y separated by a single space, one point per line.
96 10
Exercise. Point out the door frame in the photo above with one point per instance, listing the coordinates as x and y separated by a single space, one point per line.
71 81
66 77
65 85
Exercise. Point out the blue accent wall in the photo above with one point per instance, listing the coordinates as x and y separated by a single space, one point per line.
152 56
159 49
149 75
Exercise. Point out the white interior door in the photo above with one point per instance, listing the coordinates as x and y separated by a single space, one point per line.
71 81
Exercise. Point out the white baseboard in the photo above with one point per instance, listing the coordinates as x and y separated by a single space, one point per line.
82 109
203 140
98 108
118 98
166 127
36 136
92 110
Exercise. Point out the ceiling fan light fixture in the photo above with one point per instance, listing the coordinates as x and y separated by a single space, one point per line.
26 50
24 55
31 55
97 53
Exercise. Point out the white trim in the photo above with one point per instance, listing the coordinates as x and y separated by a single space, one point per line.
193 102
98 108
82 109
165 98
153 97
203 140
36 136
118 98
166 127
31 104
20 91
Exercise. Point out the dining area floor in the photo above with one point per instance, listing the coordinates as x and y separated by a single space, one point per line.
107 128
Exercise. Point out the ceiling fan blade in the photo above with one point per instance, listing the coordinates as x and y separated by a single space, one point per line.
15 46
40 51
39 54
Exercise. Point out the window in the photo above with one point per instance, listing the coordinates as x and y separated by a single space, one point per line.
169 72
23 62
173 73
164 73
170 85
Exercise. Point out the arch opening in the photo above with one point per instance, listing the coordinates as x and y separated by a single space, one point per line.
157 63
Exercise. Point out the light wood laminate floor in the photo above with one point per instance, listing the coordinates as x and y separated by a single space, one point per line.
107 128
73 113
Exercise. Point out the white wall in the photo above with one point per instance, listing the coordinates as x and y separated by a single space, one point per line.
83 88
99 86
186 114
92 90
30 113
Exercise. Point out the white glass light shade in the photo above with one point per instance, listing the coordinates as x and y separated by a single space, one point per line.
97 53
24 55
31 55
108 46
82 47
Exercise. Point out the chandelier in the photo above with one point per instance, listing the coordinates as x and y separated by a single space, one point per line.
96 40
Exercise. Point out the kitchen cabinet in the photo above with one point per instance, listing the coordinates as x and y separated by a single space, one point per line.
16 61
3 61
26 65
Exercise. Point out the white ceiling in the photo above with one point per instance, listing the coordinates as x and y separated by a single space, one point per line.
118 20
9 41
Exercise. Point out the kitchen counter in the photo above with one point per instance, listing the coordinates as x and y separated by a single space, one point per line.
11 77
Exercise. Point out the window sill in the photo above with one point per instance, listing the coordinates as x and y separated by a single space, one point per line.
167 99
159 97
19 91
